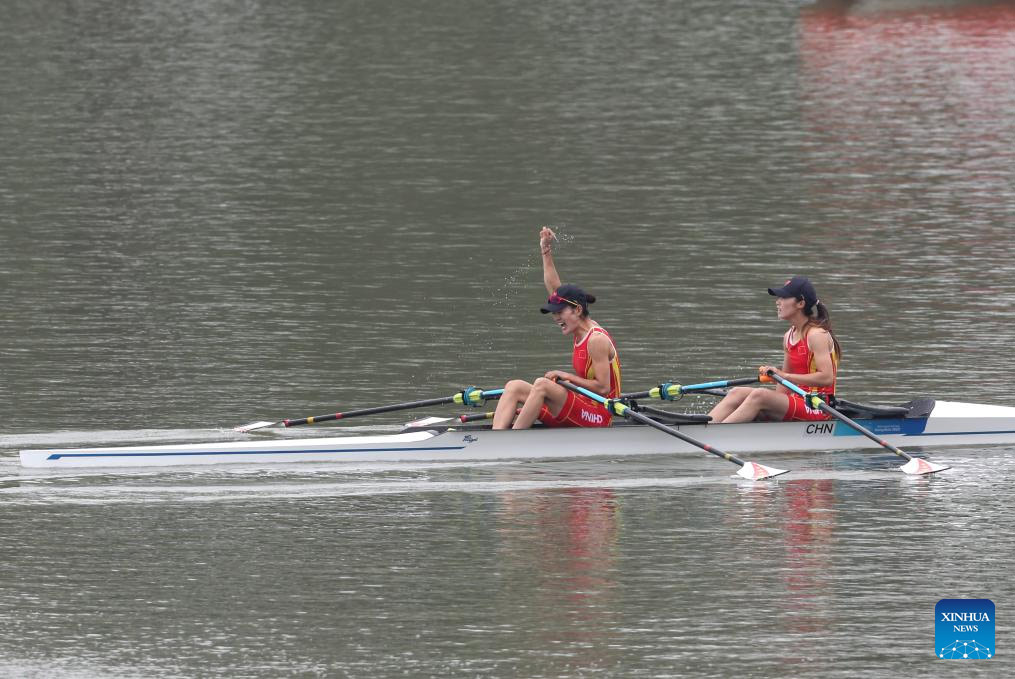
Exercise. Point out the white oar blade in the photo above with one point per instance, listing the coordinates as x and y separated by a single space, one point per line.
919 467
427 421
757 472
253 425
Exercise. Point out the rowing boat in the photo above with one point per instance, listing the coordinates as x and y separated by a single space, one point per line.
921 423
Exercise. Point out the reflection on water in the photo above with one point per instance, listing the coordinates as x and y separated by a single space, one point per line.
809 537
214 213
529 570
905 112
559 553
911 106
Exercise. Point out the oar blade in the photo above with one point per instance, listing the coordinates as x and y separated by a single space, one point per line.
919 467
757 472
427 421
254 425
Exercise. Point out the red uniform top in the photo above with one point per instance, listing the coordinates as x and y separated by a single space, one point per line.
583 364
580 410
800 361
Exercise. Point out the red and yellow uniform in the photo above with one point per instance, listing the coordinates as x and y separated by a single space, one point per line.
800 361
580 410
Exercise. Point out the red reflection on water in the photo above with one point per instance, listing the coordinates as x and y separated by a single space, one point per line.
566 543
970 43
910 110
810 517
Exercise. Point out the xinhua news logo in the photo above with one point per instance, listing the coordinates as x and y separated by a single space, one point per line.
964 629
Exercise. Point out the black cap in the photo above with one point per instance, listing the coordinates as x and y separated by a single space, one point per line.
565 296
798 287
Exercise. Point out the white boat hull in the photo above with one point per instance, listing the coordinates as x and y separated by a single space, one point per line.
949 424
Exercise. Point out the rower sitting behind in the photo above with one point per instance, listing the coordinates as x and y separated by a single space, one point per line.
811 361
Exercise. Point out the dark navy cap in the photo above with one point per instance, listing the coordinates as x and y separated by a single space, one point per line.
565 296
798 287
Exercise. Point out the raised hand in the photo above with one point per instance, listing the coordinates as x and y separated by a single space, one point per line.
546 238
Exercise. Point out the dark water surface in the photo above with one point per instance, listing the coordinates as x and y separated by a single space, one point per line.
213 213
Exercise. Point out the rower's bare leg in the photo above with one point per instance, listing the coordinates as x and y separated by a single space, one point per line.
764 403
515 392
729 403
546 392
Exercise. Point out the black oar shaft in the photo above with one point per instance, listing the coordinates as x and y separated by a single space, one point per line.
369 411
813 400
625 411
468 396
638 417
863 430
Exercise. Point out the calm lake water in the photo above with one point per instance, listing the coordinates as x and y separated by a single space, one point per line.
213 213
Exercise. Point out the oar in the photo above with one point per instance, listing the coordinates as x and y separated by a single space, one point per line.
430 421
472 396
748 470
914 465
668 391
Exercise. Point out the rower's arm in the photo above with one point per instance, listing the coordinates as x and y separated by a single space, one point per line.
551 279
820 344
599 353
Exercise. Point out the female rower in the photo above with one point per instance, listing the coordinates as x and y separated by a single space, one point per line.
594 359
811 360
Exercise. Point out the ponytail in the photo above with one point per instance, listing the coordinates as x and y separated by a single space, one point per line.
817 316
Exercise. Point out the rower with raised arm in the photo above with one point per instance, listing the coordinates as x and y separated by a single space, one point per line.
593 358
811 360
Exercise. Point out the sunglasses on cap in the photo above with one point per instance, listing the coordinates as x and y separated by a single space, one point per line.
557 299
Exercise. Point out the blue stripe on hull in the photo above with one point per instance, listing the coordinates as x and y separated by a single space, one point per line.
905 427
969 433
57 456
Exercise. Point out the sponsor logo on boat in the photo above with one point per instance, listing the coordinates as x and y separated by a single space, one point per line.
905 427
469 438
964 629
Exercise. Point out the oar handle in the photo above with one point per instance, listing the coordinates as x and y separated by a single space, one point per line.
471 396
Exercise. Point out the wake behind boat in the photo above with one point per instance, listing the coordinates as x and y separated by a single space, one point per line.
921 423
